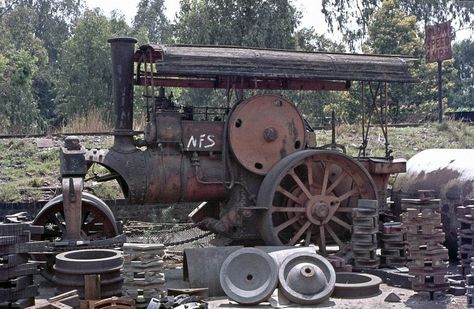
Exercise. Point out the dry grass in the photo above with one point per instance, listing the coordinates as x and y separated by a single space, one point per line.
94 120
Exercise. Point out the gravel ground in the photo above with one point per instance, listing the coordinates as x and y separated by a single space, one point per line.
409 298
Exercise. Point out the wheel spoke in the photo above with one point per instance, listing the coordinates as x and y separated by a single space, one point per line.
310 172
85 216
285 224
341 223
325 179
289 195
300 232
347 195
336 182
58 223
88 227
334 236
288 209
300 184
307 240
322 240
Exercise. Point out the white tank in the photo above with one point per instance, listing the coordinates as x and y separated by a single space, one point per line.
448 172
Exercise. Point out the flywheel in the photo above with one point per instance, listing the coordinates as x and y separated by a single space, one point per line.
263 130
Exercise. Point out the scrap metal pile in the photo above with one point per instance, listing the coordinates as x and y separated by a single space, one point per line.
143 272
394 245
16 270
428 258
465 238
365 227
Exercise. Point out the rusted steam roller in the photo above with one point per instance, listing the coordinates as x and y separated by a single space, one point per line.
71 267
465 238
364 234
17 289
426 254
393 238
249 276
143 271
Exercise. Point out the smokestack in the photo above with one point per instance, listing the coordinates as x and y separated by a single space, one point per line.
123 50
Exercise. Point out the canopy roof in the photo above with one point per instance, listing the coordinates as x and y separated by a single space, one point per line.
268 68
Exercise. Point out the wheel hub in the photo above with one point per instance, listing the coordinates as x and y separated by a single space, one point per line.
320 209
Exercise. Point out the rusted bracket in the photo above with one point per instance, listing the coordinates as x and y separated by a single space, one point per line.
73 171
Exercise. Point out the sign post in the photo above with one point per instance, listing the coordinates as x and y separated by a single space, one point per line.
438 48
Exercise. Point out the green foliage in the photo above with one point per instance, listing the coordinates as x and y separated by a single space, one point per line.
352 18
55 61
307 39
270 24
85 67
152 22
463 95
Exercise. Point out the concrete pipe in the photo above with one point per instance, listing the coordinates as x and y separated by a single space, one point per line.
306 279
249 276
201 267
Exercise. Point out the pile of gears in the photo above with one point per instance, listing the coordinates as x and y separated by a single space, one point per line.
16 271
428 258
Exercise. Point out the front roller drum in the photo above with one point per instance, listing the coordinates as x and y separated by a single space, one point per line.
97 223
309 197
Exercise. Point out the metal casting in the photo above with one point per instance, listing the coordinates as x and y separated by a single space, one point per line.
365 220
466 238
72 266
428 258
356 285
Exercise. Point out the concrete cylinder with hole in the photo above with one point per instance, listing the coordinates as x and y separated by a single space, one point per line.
249 276
71 267
306 278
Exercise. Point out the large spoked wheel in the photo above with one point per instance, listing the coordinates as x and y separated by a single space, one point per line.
98 222
310 196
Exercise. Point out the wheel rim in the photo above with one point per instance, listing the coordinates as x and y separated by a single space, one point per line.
95 224
310 196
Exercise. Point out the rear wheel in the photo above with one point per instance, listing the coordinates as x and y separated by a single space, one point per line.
310 196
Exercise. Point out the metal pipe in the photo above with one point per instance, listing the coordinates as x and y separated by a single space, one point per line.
123 50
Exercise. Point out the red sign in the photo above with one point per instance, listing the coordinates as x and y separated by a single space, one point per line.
438 42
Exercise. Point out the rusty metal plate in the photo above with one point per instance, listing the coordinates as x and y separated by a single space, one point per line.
263 130
202 135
